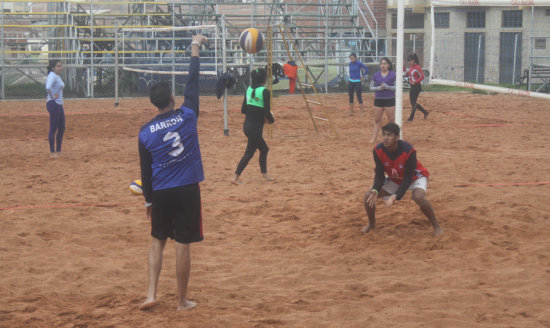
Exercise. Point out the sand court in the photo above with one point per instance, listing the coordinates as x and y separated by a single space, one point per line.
288 252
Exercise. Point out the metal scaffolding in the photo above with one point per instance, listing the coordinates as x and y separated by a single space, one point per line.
87 37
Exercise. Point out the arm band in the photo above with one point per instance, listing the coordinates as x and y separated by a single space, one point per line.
148 204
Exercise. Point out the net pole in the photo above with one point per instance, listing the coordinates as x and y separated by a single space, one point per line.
478 58
224 69
91 49
515 54
216 50
399 65
432 48
531 47
173 46
116 63
2 96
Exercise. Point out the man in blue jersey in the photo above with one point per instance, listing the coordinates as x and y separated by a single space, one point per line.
171 169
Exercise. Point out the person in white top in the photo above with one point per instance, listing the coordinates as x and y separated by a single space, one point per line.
54 105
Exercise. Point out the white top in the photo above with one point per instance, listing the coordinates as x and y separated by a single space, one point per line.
54 85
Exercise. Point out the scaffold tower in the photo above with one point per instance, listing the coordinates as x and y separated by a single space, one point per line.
83 34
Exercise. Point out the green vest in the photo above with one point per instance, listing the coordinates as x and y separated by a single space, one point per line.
258 100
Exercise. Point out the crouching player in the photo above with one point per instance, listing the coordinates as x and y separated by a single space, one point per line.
397 159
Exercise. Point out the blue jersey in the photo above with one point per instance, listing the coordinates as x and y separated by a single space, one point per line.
169 144
355 71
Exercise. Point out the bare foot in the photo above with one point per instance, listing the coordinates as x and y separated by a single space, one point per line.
187 305
367 228
350 113
148 304
372 140
236 181
267 177
438 232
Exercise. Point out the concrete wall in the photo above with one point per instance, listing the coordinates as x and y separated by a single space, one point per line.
449 51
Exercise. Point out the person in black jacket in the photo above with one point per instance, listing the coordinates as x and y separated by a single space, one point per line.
256 107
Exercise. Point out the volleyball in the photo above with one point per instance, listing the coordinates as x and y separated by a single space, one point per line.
252 40
135 187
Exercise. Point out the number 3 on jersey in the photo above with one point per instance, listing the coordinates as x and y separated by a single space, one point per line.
176 143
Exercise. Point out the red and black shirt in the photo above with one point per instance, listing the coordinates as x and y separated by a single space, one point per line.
400 166
415 74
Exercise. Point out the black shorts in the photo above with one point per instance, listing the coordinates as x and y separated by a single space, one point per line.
384 102
177 214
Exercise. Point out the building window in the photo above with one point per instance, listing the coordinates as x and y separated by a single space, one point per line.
475 19
547 12
441 20
512 18
411 20
540 43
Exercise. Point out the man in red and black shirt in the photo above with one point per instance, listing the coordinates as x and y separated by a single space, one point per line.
397 159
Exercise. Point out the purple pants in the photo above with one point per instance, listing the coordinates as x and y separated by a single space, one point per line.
57 125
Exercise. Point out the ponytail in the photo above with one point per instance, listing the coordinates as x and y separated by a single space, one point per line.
258 79
51 64
413 56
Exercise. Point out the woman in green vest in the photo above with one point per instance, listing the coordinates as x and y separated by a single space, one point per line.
256 107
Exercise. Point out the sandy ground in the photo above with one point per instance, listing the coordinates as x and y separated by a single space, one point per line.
289 253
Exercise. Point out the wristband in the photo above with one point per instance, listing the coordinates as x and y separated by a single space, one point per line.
376 191
148 204
196 43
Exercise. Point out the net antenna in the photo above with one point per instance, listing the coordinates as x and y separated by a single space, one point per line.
166 50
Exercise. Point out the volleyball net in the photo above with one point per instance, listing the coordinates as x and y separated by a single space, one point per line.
166 50
491 45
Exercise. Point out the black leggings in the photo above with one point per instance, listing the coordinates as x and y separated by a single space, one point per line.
255 141
413 97
355 86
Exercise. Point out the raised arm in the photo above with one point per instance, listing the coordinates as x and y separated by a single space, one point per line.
191 92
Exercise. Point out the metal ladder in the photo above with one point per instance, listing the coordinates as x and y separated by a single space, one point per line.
290 47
